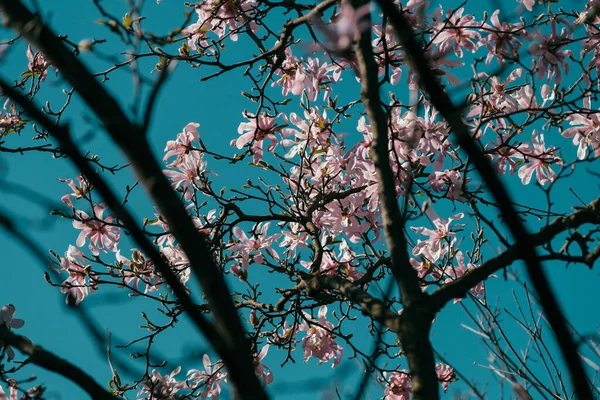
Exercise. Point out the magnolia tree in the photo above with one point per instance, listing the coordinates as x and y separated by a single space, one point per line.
376 142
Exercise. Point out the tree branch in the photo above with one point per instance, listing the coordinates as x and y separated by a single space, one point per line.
453 115
460 287
414 334
45 359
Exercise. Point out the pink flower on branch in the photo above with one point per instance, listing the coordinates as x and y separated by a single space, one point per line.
455 31
80 282
445 374
161 387
38 64
251 249
432 248
211 378
262 371
398 386
538 159
7 319
100 232
255 132
78 192
319 341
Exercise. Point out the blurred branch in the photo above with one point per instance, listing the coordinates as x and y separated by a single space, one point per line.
228 338
45 359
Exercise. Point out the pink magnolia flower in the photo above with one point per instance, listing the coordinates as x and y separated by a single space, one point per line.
7 319
503 41
182 146
547 53
319 341
161 387
78 192
293 75
138 271
196 32
232 15
187 176
528 4
76 286
449 181
253 248
320 78
294 238
445 374
538 160
13 392
505 156
211 378
10 119
585 132
455 272
98 230
256 131
432 247
38 64
398 386
178 261
263 372
455 31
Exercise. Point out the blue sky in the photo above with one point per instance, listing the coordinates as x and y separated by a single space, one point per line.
217 105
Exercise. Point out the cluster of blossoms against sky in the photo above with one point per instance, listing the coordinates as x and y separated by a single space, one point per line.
308 151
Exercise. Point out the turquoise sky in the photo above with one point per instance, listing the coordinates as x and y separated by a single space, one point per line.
217 105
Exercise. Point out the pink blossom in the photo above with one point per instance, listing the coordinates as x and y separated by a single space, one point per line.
211 378
78 192
502 42
263 372
38 64
585 132
432 247
178 261
449 181
98 230
292 74
76 286
252 249
10 120
196 32
7 319
256 131
398 386
187 175
13 392
138 271
319 341
445 374
455 31
182 145
455 272
505 156
161 387
547 53
528 4
538 159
